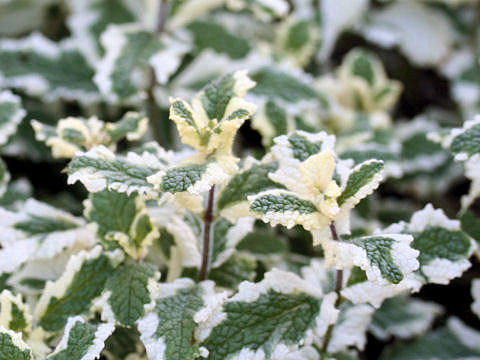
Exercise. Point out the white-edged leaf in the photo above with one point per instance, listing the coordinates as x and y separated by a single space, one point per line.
168 331
129 293
14 313
403 317
72 294
463 144
11 114
122 220
4 178
386 258
284 310
455 341
81 340
351 327
263 9
39 231
12 347
99 169
476 297
129 51
41 67
72 135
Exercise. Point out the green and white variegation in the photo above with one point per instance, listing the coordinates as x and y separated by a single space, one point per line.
403 317
38 232
42 67
313 197
99 169
209 125
14 313
73 293
122 221
476 297
122 74
305 312
463 144
11 114
12 346
169 330
386 258
4 178
72 135
444 247
81 340
455 341
129 294
263 9
351 327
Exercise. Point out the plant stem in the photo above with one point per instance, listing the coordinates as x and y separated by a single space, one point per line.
160 133
207 235
338 289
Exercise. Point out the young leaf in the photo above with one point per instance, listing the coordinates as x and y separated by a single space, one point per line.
282 310
72 135
122 220
72 294
14 313
11 114
12 346
403 317
129 293
99 169
168 330
81 340
41 67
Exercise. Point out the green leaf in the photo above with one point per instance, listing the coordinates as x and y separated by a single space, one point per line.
72 294
60 71
361 182
219 38
248 182
122 220
129 290
81 341
403 317
11 114
467 142
168 331
260 243
12 346
100 169
440 243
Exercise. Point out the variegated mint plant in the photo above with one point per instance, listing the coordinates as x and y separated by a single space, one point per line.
239 179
